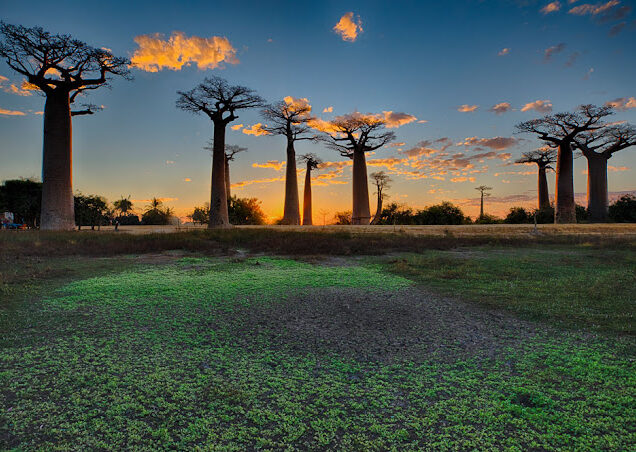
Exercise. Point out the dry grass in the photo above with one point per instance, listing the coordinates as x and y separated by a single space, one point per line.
316 240
469 230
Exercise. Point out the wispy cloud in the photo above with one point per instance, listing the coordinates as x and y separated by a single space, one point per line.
245 183
156 53
496 143
542 106
5 112
236 127
327 110
467 108
349 27
553 50
503 52
273 164
593 10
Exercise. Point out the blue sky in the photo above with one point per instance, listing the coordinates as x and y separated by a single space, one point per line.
424 59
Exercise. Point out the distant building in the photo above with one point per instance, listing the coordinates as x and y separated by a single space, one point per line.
6 218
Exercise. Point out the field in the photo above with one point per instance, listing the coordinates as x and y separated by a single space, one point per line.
337 339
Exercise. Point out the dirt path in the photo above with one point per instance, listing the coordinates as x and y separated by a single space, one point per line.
408 324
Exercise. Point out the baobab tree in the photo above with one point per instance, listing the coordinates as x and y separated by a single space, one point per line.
61 68
354 135
544 158
381 181
560 130
311 162
482 189
289 118
598 146
230 151
220 101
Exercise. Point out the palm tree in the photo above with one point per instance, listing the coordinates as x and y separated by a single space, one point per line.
123 205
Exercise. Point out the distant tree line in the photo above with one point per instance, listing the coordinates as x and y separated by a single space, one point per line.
623 210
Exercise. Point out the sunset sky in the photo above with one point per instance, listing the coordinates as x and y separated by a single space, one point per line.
451 78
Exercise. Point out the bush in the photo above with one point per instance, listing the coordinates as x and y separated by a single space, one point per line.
129 220
245 211
623 210
395 213
519 215
582 215
23 197
488 219
240 211
343 217
444 213
545 216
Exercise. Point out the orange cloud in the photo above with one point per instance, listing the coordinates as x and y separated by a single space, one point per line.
297 103
551 8
395 119
622 103
237 127
187 179
503 52
467 108
348 28
502 107
542 106
245 183
11 112
256 130
389 163
156 53
593 10
328 110
462 179
274 164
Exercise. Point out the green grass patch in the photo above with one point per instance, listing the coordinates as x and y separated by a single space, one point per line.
161 357
577 286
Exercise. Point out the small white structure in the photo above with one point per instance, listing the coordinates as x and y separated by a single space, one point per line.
6 217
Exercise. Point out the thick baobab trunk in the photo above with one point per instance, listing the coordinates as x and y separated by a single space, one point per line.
361 213
57 165
218 199
307 198
542 189
597 202
565 211
378 210
291 211
227 178
481 206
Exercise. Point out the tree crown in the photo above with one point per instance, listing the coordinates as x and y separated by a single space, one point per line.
357 132
289 117
606 141
53 62
544 158
561 128
215 97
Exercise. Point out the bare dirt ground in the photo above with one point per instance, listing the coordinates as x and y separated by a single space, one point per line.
621 229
